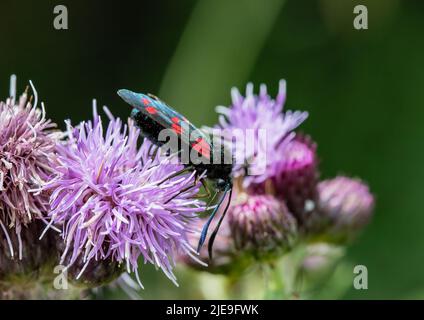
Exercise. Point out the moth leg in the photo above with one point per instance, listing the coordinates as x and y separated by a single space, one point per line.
208 205
152 156
215 231
205 228
155 152
181 192
207 193
195 182
175 174
150 149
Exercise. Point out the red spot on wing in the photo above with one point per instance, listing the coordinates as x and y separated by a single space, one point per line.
202 147
145 101
151 110
177 129
175 119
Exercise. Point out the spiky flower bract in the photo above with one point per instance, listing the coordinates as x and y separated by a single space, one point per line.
36 254
27 145
98 273
225 256
114 201
262 225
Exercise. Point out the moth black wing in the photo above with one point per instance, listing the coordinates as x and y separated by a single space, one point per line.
158 111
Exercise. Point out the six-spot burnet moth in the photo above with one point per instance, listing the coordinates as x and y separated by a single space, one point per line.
152 116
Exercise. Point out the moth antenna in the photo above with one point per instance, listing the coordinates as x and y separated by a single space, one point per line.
215 232
207 224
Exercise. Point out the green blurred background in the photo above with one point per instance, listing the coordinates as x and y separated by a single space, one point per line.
364 91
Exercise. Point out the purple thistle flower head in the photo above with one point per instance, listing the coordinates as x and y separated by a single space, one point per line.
346 204
259 113
108 198
27 146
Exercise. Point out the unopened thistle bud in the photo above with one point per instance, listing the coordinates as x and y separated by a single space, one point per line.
295 180
346 204
261 224
99 272
35 254
225 257
297 177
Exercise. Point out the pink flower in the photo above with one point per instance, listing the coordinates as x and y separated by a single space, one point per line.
114 202
27 146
